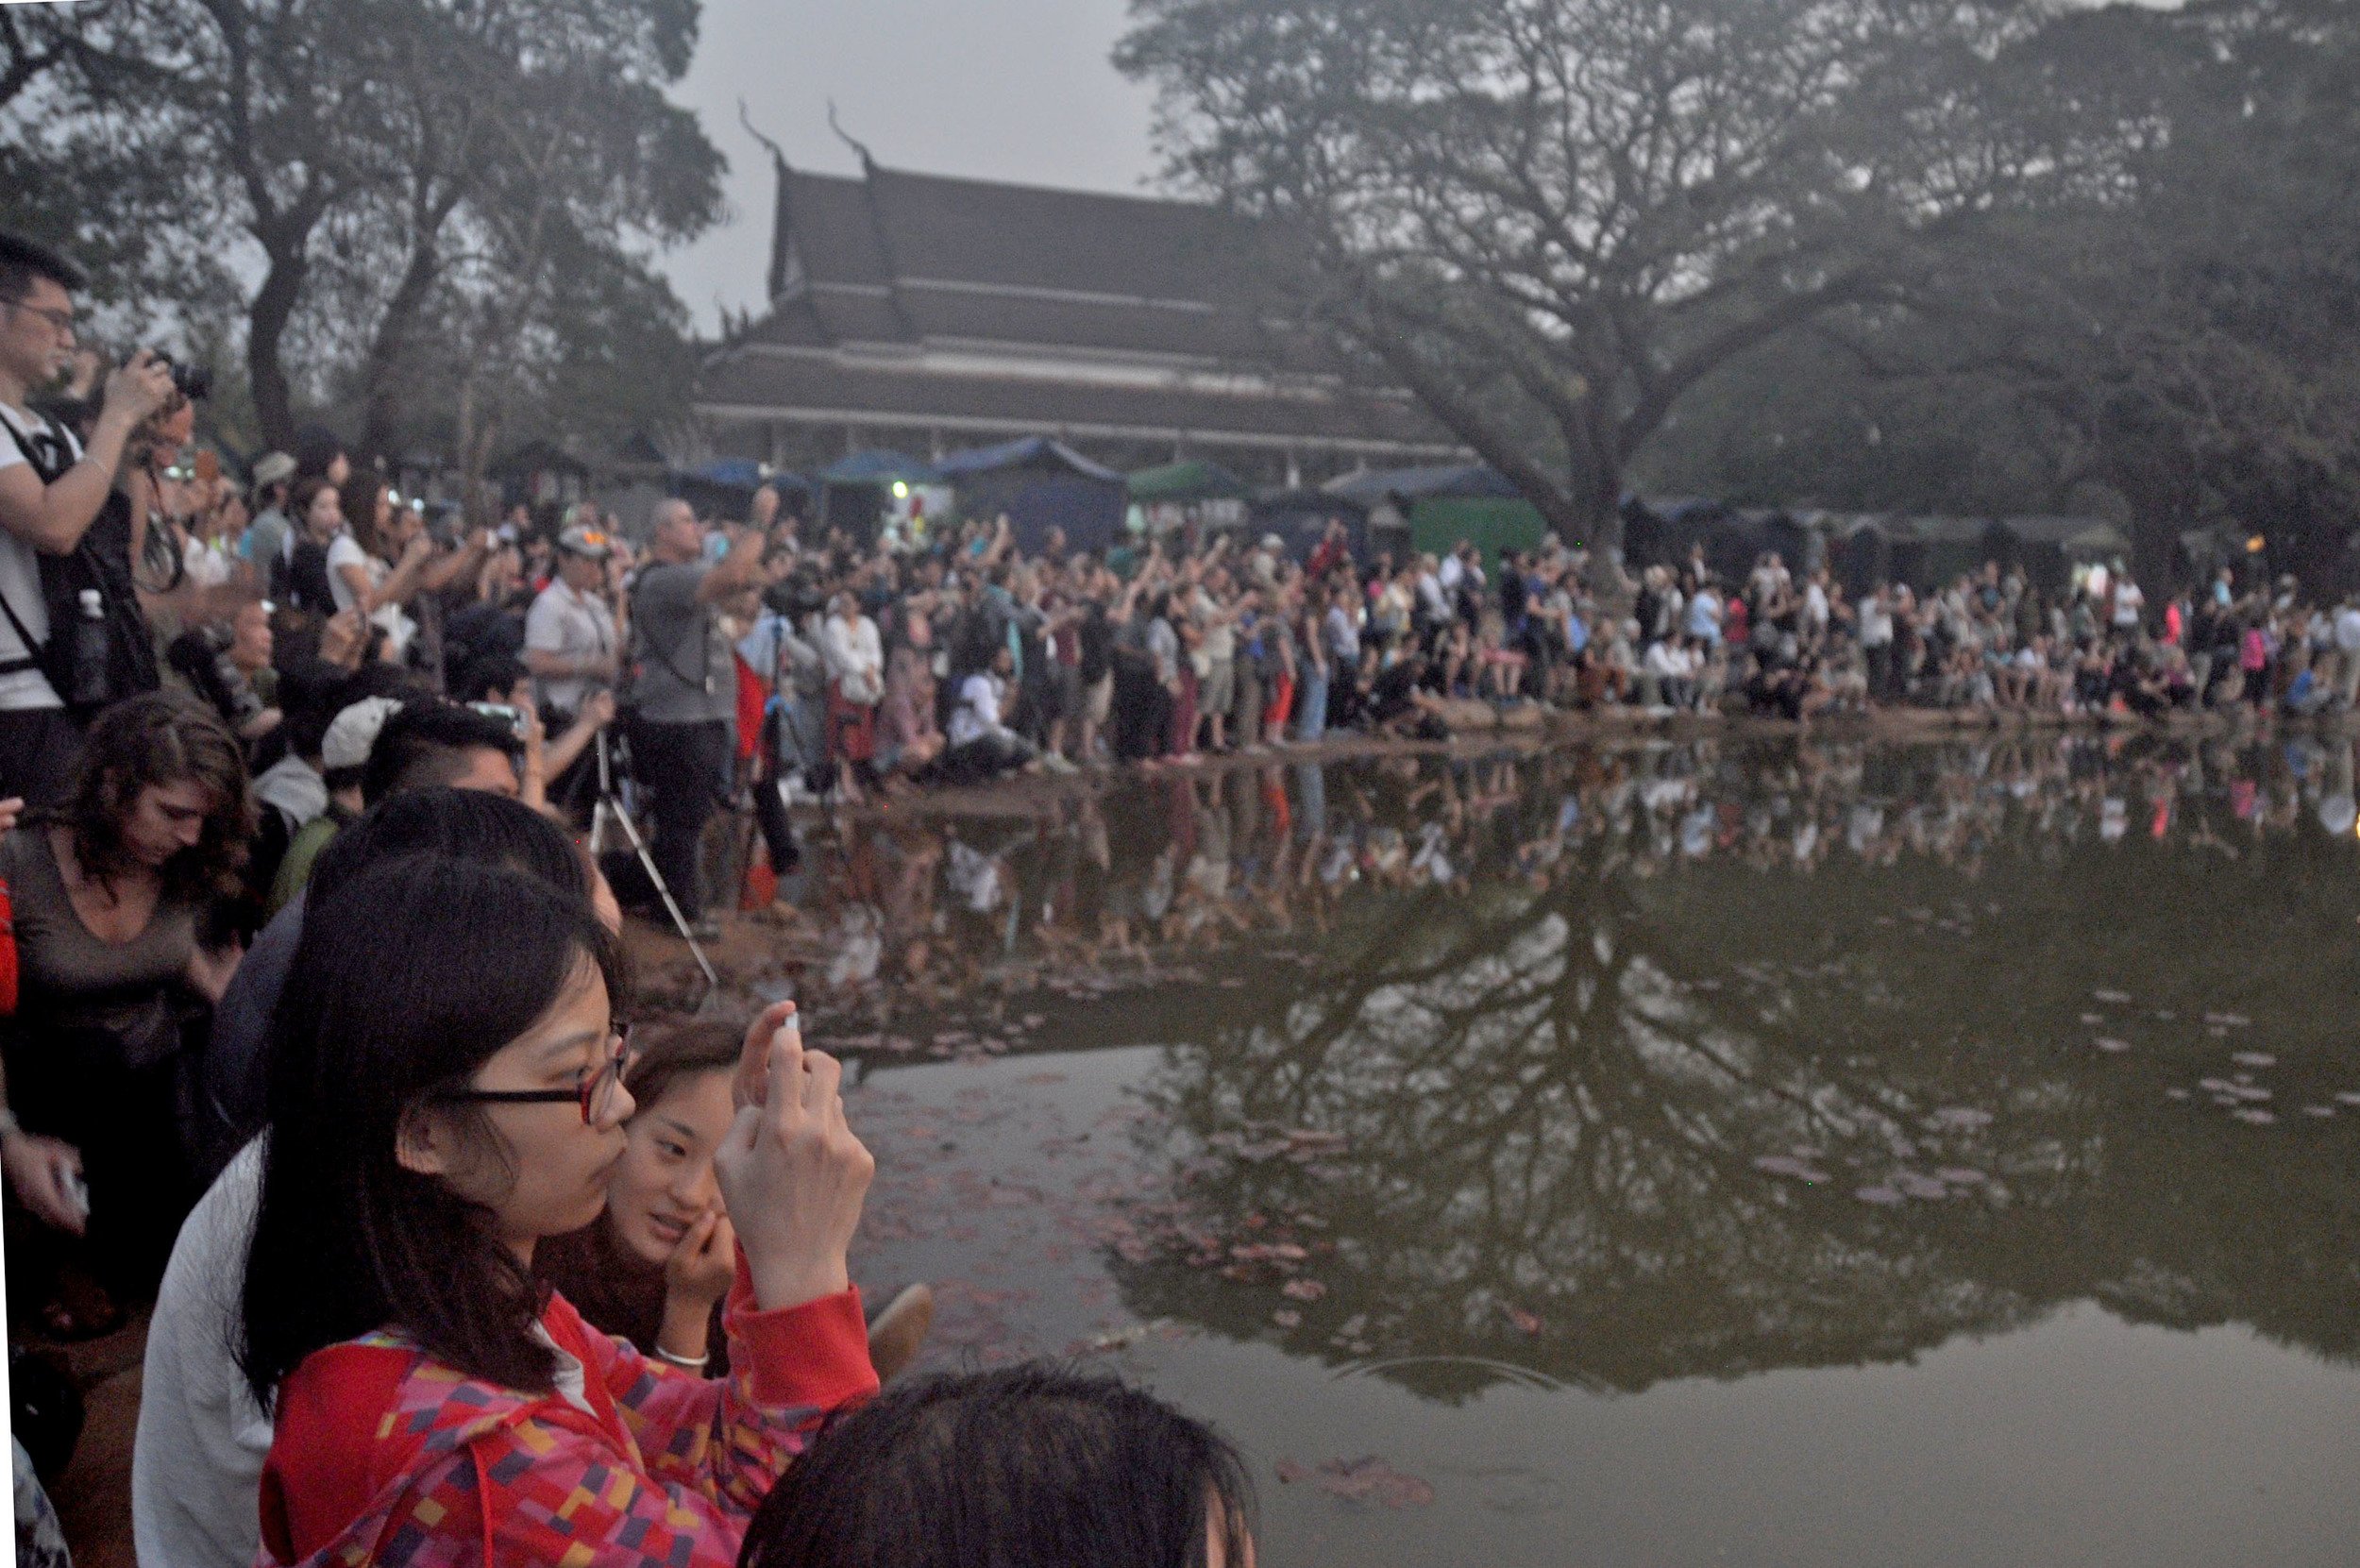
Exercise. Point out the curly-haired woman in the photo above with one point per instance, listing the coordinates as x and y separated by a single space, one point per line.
112 892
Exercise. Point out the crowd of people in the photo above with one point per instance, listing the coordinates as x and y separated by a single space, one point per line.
314 1024
315 1037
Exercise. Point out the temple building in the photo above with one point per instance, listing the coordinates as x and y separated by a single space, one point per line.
926 314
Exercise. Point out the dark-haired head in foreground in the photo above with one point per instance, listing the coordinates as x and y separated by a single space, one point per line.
1028 1467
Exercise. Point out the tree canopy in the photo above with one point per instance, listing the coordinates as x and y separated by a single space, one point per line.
2005 252
436 215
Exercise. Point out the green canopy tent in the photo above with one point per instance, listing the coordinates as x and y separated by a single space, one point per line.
1186 483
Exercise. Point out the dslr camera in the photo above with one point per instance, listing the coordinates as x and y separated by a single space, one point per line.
194 383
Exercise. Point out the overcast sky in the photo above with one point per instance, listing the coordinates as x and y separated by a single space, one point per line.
1012 90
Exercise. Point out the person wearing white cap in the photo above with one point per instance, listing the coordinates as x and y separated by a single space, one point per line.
343 754
570 641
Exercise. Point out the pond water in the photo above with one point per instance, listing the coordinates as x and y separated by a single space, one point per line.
1764 1152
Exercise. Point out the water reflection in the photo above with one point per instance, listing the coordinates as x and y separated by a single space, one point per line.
1611 1066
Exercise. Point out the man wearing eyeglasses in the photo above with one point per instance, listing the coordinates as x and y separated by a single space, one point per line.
51 490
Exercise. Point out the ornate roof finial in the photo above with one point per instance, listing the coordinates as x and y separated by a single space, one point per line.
867 164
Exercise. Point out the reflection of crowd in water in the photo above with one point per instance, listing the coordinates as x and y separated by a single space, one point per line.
1140 884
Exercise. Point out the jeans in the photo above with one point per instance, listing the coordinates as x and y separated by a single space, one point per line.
1311 704
682 764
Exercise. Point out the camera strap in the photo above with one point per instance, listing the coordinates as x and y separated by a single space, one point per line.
49 475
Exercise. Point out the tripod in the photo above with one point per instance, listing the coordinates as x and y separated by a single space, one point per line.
610 809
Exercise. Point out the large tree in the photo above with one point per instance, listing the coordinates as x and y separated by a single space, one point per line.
380 174
1551 219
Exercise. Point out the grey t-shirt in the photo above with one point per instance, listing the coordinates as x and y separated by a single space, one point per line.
685 674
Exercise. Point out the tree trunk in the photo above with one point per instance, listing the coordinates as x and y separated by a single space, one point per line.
380 417
266 329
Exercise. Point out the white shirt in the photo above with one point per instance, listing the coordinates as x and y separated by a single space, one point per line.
2348 628
978 712
20 579
572 626
347 551
855 658
196 1465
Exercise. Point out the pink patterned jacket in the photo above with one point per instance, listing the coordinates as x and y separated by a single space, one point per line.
384 1458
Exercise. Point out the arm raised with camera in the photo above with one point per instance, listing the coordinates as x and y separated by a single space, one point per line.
52 517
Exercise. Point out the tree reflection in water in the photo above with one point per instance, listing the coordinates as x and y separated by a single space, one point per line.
1620 1065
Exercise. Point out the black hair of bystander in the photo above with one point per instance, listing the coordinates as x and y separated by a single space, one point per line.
1028 1464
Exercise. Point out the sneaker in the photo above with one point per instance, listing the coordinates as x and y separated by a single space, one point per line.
897 1334
1057 763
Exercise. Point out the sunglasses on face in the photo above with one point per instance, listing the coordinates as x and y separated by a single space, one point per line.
594 1094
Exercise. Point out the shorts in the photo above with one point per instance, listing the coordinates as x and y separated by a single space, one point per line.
1219 692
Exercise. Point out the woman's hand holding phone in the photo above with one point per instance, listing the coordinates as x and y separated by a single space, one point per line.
791 1172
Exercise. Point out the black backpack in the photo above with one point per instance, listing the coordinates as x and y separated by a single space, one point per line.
101 560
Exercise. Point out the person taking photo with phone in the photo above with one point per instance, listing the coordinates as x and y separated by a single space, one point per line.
432 1128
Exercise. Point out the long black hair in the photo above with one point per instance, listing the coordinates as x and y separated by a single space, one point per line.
1029 1465
408 978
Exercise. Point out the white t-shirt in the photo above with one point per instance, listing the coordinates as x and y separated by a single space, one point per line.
197 1464
573 626
347 551
20 577
978 712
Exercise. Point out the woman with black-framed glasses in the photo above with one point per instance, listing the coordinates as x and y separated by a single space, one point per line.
446 1094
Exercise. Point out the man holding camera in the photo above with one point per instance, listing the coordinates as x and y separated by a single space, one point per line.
686 693
51 490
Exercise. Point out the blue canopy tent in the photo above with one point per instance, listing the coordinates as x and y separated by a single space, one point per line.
852 490
725 487
1039 485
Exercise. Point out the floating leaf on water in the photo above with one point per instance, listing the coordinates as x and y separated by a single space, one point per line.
2111 997
1370 1479
1916 1186
2226 1020
1962 1116
1528 1321
2254 1058
2318 1110
1960 1175
1303 1289
2254 1113
2348 1097
2108 1044
2092 1019
1884 1196
1286 1317
2174 1094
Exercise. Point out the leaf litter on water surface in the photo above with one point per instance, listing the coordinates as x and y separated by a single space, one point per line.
1367 1480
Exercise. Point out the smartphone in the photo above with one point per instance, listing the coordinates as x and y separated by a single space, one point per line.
76 1193
512 717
